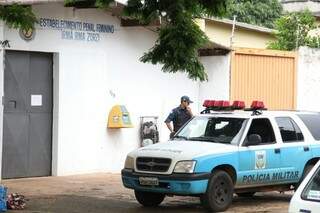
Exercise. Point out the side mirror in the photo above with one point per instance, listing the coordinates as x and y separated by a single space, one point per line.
253 139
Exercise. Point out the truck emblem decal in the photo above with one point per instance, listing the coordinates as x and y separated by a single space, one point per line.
260 162
151 164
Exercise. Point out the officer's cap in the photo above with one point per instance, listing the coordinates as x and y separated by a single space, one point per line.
186 98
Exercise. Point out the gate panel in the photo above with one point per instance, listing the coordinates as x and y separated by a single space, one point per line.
264 75
16 81
27 115
15 145
39 149
40 116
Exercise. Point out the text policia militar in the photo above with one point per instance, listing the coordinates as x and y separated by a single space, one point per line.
77 30
266 177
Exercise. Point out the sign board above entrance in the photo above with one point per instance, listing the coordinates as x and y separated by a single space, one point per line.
76 30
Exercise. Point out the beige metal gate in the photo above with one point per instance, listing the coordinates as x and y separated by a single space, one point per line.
266 75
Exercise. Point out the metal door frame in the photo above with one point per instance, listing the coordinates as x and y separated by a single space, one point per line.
55 89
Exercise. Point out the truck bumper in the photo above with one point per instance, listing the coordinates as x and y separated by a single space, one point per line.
175 184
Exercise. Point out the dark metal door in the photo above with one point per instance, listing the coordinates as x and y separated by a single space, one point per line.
27 118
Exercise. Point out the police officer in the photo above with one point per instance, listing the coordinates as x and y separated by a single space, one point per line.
179 116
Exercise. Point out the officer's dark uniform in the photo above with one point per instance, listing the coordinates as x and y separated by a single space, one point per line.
179 117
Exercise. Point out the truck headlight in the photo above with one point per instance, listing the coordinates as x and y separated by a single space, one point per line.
185 166
129 163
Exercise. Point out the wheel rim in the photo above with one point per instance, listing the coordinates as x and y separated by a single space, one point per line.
221 192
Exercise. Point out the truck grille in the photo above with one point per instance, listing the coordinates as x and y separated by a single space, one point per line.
153 164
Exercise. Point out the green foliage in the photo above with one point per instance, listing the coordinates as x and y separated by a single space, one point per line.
292 31
257 12
179 37
177 49
18 16
103 3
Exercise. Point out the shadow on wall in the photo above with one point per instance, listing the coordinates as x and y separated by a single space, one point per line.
115 135
120 138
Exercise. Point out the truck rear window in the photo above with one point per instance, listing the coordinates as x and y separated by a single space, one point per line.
313 124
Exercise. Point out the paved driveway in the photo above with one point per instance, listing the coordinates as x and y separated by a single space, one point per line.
103 193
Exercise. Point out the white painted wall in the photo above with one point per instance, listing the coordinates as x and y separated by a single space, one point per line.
218 84
308 79
85 75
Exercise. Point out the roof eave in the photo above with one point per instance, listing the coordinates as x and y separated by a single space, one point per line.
241 25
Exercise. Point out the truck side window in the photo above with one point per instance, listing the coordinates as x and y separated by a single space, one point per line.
262 127
290 132
312 121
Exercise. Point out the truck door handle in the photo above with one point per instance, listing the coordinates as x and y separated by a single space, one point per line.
306 148
277 150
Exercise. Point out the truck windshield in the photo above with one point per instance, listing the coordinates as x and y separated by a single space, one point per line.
213 129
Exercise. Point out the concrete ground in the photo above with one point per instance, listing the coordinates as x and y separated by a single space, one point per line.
103 193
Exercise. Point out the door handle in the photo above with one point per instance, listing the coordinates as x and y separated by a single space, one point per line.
306 148
12 104
277 150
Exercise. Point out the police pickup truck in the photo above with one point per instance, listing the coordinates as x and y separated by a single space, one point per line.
226 150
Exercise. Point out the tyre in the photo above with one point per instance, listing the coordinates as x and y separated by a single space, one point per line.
219 194
246 194
149 199
306 171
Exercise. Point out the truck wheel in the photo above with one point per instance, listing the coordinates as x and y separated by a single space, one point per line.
149 199
219 194
246 194
306 171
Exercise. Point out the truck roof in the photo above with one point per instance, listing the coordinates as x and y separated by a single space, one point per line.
249 114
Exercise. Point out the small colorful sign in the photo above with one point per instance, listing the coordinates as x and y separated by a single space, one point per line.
260 162
27 35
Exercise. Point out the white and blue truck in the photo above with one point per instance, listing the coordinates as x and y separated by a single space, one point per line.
227 150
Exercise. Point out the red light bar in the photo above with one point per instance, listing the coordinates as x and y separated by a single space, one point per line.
212 103
257 105
206 103
238 105
225 104
217 104
220 104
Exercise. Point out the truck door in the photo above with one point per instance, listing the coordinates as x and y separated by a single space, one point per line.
258 163
294 151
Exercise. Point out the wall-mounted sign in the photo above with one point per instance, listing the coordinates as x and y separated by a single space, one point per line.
36 100
77 30
27 35
119 117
